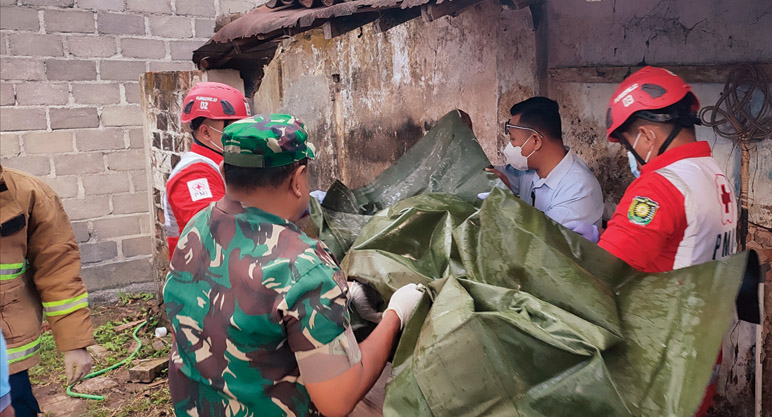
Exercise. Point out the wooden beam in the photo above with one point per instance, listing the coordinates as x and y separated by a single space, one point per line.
148 370
394 18
432 12
341 25
703 73
519 4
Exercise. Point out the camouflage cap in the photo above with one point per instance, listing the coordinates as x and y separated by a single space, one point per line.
266 141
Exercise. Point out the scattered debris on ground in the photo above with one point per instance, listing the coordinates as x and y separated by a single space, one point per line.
113 328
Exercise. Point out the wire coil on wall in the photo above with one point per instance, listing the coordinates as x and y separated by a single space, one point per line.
742 114
744 111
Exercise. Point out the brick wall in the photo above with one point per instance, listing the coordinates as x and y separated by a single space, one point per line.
162 94
70 112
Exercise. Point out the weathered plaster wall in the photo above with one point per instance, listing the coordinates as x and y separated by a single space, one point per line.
366 97
610 33
167 139
652 32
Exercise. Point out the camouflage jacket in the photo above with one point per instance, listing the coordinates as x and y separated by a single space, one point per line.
257 309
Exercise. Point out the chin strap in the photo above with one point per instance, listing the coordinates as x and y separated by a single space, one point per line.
629 147
676 130
681 120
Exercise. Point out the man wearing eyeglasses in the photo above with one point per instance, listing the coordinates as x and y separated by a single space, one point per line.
196 181
546 174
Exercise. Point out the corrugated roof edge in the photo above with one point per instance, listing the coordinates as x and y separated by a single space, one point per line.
263 21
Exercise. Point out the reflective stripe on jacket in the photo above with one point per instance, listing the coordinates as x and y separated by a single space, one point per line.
39 271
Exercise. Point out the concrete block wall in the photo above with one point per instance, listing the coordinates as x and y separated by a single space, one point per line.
70 112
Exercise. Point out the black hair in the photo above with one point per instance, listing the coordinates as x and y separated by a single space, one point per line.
677 113
196 123
249 179
540 113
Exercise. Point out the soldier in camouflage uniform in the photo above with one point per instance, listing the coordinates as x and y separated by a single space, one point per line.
259 309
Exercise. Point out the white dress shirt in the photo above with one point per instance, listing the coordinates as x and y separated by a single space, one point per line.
570 192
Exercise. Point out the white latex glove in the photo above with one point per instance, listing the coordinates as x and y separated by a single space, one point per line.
588 231
77 363
318 195
356 294
404 302
483 196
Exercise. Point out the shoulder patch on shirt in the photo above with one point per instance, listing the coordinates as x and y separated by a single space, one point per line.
642 210
199 189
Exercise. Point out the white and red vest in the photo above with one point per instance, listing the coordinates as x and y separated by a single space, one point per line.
193 183
680 212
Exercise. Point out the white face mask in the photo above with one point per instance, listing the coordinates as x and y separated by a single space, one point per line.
219 148
514 155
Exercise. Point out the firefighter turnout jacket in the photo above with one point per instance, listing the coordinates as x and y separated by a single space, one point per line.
39 271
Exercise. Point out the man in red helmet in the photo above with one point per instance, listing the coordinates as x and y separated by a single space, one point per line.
196 181
681 208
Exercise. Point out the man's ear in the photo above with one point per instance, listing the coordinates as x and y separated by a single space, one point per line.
204 132
296 181
222 168
538 141
648 136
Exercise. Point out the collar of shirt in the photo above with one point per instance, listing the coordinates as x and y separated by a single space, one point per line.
203 150
557 173
690 150
256 215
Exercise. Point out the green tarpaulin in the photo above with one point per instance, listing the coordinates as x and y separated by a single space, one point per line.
522 317
448 159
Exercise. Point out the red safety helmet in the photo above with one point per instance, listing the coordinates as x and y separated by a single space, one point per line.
650 88
214 101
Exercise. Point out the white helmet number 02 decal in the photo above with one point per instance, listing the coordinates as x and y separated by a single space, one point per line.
204 105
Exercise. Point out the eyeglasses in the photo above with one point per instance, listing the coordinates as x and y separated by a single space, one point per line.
508 126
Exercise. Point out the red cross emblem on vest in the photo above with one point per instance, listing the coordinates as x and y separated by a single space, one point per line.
724 194
726 198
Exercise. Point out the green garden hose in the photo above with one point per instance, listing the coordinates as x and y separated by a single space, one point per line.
102 371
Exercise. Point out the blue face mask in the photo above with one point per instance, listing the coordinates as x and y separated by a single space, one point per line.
633 164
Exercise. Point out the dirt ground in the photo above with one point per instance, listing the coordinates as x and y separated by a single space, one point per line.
113 327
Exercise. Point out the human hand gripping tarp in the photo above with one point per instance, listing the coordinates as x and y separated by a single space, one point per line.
530 319
525 317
